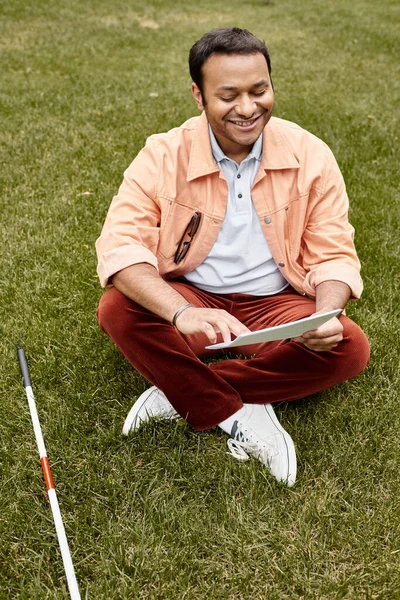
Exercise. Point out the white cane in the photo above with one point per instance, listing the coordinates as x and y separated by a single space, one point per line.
58 522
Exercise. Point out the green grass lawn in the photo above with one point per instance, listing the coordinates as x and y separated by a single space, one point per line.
167 515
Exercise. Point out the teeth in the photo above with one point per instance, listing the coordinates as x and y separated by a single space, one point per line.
244 123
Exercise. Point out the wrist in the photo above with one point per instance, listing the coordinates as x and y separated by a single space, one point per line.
179 311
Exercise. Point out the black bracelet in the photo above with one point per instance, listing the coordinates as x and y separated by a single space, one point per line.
179 311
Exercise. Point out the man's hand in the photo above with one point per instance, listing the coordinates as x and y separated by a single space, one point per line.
210 321
142 283
323 339
330 294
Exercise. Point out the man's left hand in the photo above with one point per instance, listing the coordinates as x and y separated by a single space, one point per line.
323 339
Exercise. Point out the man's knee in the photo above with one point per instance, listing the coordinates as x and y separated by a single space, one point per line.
357 349
111 309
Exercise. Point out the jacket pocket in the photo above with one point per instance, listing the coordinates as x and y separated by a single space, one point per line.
172 229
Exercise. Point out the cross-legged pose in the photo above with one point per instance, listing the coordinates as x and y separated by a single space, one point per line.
233 222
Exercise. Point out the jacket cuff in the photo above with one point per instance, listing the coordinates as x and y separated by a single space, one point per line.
338 272
115 260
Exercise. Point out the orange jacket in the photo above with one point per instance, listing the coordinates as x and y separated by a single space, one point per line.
298 192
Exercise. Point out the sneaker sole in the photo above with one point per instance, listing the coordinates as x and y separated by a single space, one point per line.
291 452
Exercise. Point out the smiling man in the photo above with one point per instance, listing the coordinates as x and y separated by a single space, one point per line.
235 221
235 92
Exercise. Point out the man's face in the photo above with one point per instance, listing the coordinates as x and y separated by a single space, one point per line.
237 98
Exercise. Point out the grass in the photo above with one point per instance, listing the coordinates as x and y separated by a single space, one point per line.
167 515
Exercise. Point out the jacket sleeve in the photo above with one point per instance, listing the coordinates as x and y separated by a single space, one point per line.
131 230
328 240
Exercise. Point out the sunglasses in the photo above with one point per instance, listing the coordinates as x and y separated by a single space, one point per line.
187 238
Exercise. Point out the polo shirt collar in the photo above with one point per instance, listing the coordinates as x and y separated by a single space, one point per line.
219 155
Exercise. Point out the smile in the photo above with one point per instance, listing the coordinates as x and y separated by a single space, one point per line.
248 124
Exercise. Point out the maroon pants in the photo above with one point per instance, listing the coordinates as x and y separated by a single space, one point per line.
204 394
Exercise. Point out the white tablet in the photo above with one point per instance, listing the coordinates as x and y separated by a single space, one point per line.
280 332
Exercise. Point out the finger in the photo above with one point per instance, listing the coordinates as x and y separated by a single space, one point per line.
322 335
320 344
325 344
329 329
321 348
235 326
212 328
224 330
309 334
210 321
325 340
227 329
210 332
226 324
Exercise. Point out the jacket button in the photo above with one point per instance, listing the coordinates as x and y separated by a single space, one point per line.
281 264
267 220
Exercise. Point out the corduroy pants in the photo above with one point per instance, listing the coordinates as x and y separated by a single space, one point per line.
205 394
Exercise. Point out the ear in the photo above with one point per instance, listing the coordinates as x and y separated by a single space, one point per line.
197 96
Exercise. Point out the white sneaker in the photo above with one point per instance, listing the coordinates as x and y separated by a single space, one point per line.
259 433
151 404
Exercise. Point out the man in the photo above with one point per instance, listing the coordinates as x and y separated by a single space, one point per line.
234 221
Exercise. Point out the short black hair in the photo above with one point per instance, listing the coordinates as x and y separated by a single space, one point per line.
225 40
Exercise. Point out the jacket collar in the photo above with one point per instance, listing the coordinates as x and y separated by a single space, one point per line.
201 161
276 152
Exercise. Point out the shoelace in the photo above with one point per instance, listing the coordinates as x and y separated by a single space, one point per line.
236 449
242 441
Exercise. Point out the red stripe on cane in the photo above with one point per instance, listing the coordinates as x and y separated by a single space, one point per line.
47 473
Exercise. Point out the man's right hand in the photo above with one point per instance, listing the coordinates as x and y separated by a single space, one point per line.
142 283
210 321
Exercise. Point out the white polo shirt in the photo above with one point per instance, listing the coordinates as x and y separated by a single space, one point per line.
240 260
